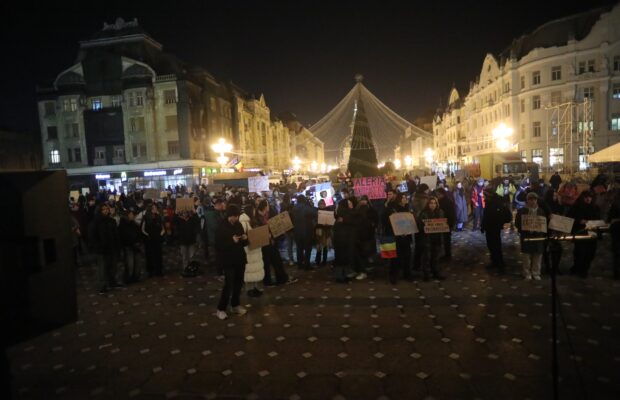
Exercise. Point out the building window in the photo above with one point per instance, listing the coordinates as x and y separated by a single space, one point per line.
73 104
583 163
615 122
524 155
136 124
522 105
588 93
556 73
556 98
142 149
171 122
95 104
119 152
78 154
170 96
506 87
66 106
536 78
132 99
536 129
615 93
581 125
116 101
616 63
54 157
173 147
139 99
138 150
70 155
52 133
586 66
50 108
536 103
537 156
522 131
522 81
556 157
590 66
134 150
72 130
99 153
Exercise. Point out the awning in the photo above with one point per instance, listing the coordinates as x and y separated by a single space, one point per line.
608 154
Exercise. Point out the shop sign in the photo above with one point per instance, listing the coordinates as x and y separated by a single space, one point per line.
155 173
123 176
102 176
177 171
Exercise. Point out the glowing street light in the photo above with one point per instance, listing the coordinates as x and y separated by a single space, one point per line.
222 147
323 168
408 161
296 163
502 135
314 166
428 155
397 163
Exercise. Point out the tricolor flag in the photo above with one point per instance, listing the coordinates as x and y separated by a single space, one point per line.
388 247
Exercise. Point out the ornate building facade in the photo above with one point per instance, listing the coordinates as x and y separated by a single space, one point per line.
557 87
127 109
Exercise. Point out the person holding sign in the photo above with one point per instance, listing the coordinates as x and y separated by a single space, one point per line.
528 228
584 251
230 239
430 242
254 269
323 236
270 253
402 262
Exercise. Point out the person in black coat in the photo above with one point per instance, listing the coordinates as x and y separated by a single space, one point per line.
130 238
495 216
344 240
365 241
304 218
402 262
584 251
446 204
187 228
104 242
153 229
230 240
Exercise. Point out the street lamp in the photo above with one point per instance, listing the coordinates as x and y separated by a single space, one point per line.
408 161
314 166
428 155
501 134
397 163
222 147
296 163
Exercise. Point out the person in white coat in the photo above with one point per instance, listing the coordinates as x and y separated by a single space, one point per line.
254 270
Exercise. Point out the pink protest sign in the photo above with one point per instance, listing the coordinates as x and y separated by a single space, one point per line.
371 186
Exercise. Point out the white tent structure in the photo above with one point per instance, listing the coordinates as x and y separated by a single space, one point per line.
608 154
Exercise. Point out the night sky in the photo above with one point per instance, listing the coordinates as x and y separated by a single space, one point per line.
302 55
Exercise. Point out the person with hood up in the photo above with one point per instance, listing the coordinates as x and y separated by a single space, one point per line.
460 206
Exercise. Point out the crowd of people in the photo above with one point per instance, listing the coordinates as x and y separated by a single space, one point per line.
130 232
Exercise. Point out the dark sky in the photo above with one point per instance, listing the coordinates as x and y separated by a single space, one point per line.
302 55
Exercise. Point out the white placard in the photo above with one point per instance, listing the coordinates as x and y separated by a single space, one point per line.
436 225
326 218
533 223
593 224
561 223
403 223
85 191
430 180
257 184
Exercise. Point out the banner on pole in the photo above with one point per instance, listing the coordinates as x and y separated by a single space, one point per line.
403 223
372 186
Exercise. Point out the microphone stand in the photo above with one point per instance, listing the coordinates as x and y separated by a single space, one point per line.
555 252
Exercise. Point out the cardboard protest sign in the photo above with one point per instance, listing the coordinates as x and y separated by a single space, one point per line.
372 186
436 225
75 194
163 195
184 205
152 194
259 237
533 223
593 224
257 184
280 224
561 224
403 223
215 188
430 180
326 218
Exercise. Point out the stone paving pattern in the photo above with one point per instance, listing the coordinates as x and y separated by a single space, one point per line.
477 335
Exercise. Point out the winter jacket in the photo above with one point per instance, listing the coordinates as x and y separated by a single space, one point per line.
254 269
581 211
231 254
477 197
430 238
344 236
213 219
103 236
304 219
152 226
187 229
503 191
447 206
420 199
496 214
129 233
530 247
460 206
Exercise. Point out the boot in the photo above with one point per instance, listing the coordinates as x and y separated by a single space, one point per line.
324 256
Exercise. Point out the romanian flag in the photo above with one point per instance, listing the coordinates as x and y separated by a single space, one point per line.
388 247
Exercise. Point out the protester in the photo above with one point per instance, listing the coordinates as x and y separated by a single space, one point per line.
402 263
613 218
104 242
532 250
229 242
213 218
447 207
478 203
496 214
270 253
344 240
130 239
430 242
506 192
287 206
555 181
460 206
323 237
584 251
304 218
153 229
187 230
418 204
254 269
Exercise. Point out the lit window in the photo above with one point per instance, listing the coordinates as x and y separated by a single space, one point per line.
537 156
615 93
524 155
95 104
139 99
119 152
556 157
536 78
54 157
66 105
116 101
556 73
615 122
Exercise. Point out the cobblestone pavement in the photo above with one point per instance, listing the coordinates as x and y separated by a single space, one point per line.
477 335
